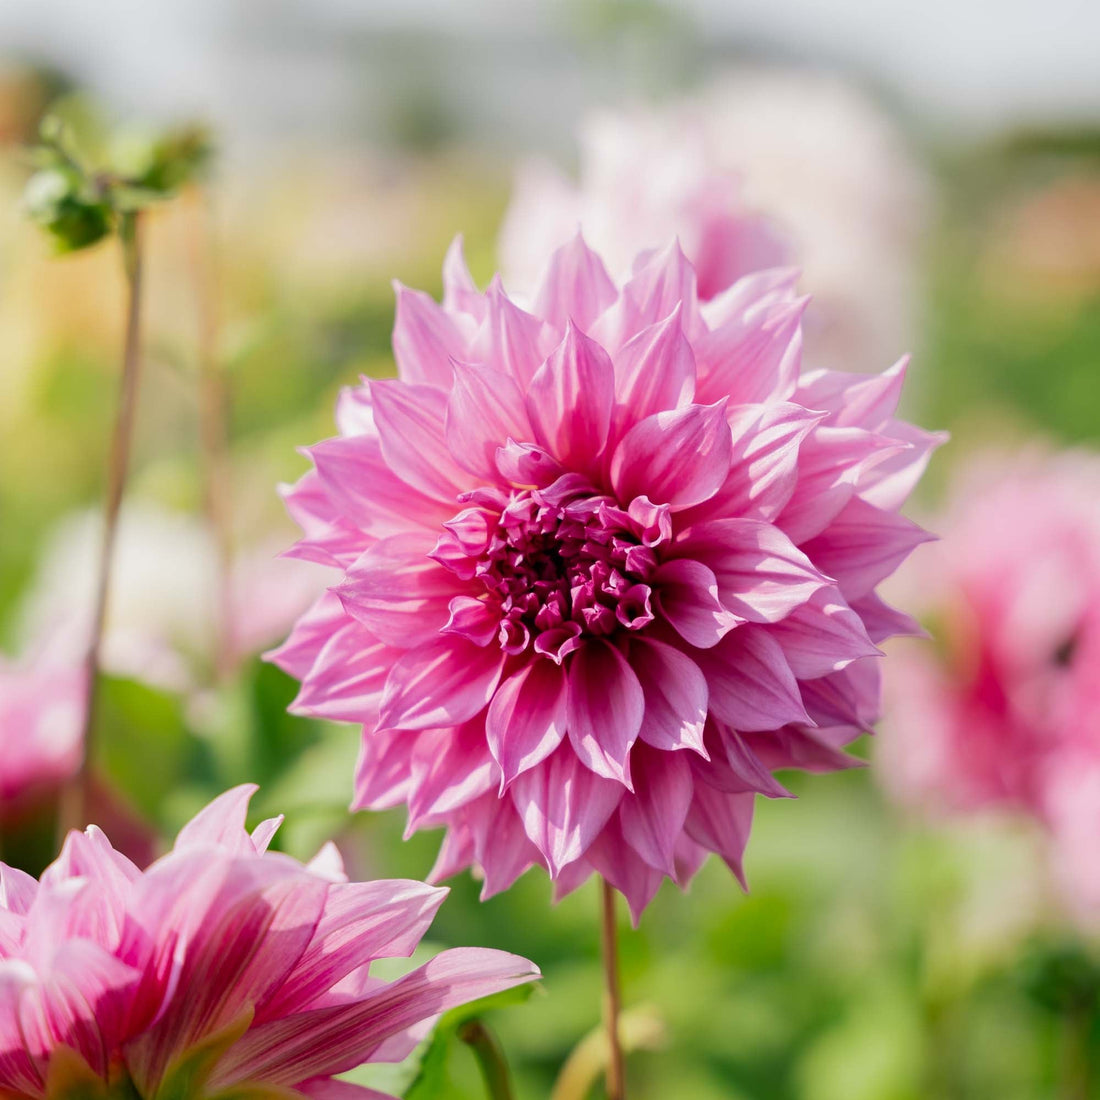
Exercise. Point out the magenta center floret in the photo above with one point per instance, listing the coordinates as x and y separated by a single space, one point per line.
557 564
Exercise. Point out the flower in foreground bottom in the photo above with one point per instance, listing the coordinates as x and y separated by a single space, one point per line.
605 565
220 969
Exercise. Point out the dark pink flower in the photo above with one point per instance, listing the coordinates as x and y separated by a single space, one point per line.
1006 715
604 566
221 969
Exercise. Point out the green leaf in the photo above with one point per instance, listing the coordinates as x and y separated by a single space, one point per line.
143 745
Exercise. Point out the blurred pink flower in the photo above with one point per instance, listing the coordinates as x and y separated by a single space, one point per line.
604 567
222 968
761 166
1006 716
645 179
42 700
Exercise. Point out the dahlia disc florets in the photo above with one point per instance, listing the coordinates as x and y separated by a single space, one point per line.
605 563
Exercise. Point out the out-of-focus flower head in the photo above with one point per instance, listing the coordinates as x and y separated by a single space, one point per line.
164 609
842 198
42 701
220 969
1007 716
604 566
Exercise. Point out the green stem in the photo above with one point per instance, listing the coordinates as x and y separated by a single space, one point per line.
490 1059
75 797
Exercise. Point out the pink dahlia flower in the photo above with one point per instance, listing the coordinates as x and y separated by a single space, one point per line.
220 969
604 566
1006 716
42 700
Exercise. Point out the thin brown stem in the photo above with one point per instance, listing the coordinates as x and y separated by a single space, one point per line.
213 425
616 1079
75 797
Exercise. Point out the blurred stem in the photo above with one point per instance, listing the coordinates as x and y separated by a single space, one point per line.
1077 1077
213 424
75 796
616 1081
490 1059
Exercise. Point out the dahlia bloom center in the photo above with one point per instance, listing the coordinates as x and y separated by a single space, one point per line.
556 564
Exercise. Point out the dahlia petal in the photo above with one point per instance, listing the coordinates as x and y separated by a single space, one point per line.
221 823
367 492
510 340
328 539
675 693
384 769
662 280
656 369
604 705
751 293
761 575
854 400
472 619
570 398
450 768
350 675
563 806
460 293
443 683
848 699
411 423
751 684
721 823
485 407
633 878
653 817
298 654
883 621
749 773
355 412
863 546
575 287
362 921
823 635
17 889
680 457
764 463
524 464
797 747
336 1038
830 464
425 339
527 718
398 592
752 359
502 851
687 594
332 1088
891 481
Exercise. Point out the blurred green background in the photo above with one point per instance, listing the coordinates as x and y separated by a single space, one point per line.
876 958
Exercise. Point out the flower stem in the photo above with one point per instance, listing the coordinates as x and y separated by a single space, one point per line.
1076 1071
616 1080
490 1059
75 797
213 425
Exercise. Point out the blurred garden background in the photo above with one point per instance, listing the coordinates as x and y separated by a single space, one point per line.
945 166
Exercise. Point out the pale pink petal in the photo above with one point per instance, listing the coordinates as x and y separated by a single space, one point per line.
680 457
570 398
527 718
751 684
823 635
575 287
442 683
604 706
425 339
687 594
655 369
485 409
675 693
